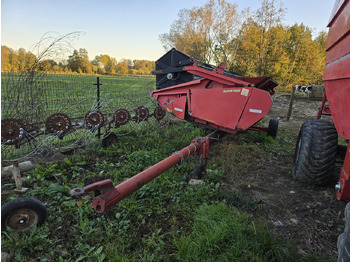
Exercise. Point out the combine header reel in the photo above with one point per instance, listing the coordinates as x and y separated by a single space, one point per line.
201 94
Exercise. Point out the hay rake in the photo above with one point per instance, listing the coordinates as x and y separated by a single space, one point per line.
37 117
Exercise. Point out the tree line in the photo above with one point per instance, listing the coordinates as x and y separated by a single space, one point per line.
22 60
253 43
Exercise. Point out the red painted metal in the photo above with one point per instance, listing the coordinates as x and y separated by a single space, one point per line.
336 53
336 78
339 25
257 107
218 101
324 109
110 195
336 10
344 180
216 75
336 74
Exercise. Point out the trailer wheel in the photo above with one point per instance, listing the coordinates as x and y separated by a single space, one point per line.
22 213
344 238
315 152
273 127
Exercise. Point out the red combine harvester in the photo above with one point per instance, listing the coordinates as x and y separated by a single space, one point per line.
317 144
336 79
200 93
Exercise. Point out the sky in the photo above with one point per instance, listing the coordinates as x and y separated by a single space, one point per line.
124 28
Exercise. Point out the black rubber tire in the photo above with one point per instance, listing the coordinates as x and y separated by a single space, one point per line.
273 127
315 152
344 239
32 212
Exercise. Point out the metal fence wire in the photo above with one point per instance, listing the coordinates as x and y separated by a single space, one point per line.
40 110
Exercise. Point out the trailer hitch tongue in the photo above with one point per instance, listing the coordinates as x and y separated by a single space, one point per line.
107 195
77 191
97 187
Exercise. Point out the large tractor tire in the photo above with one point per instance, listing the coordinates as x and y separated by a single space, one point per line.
315 152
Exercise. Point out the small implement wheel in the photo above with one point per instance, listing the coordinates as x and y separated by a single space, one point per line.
94 119
22 213
273 127
142 114
159 113
11 131
315 152
121 117
58 123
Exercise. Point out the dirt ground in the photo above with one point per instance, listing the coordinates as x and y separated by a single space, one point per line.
309 217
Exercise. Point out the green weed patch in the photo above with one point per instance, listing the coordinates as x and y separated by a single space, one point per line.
224 234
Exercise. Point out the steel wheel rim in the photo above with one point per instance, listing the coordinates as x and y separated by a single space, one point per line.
22 219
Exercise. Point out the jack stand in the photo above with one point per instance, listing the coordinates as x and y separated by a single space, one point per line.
200 170
16 173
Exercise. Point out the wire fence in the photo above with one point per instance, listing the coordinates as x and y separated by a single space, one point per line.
39 110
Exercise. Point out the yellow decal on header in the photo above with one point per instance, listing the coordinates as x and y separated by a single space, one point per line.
232 90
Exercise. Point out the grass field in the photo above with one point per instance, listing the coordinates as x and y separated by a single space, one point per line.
71 94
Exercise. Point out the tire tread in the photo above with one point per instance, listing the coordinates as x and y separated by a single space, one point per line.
317 153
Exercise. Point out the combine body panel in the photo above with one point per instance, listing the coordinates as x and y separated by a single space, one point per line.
336 75
336 78
211 96
221 107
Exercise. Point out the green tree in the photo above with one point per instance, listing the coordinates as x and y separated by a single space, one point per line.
248 49
123 67
105 64
267 17
13 66
79 62
31 61
6 52
207 33
111 66
142 67
22 59
45 65
299 46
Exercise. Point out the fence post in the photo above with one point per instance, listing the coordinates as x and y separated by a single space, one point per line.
98 84
291 103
